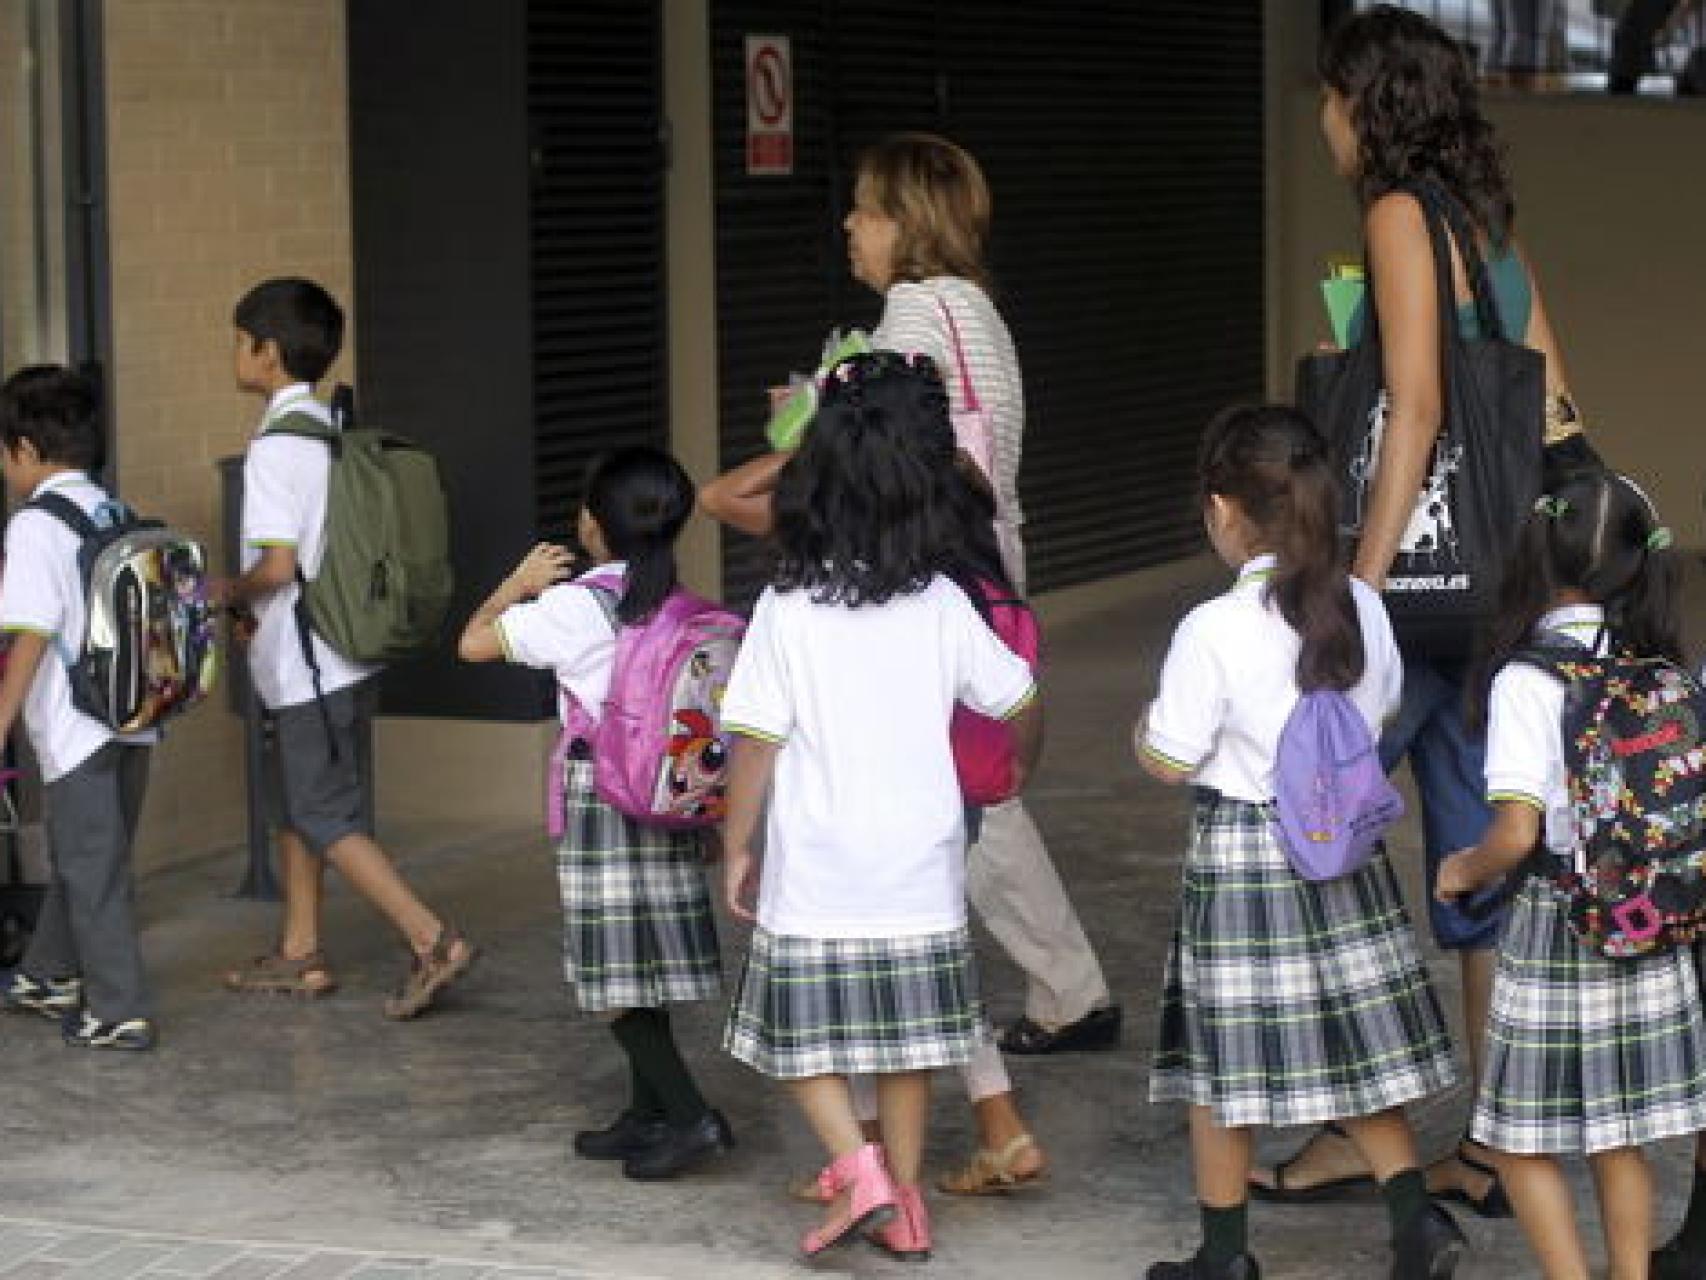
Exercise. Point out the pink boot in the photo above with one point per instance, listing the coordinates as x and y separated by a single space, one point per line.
872 1199
908 1236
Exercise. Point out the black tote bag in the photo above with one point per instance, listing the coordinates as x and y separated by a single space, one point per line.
1487 461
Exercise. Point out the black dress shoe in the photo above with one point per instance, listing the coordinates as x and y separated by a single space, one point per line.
1243 1267
681 1149
1429 1250
1675 1261
1098 1029
628 1136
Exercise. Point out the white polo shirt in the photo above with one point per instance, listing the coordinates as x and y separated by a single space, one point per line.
42 591
866 834
286 480
1525 731
1230 682
567 632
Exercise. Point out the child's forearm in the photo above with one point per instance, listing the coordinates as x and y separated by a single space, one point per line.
752 763
275 570
21 663
1509 841
480 640
742 498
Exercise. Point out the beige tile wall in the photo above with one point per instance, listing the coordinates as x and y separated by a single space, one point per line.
228 158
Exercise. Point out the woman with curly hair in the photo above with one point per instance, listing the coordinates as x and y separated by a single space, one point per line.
1400 109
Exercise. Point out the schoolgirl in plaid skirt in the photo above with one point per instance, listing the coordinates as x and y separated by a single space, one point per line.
1287 1000
638 933
1586 1054
840 703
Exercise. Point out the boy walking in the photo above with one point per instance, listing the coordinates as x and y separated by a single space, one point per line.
288 334
83 967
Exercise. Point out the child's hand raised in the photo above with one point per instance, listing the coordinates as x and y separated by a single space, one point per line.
740 883
544 566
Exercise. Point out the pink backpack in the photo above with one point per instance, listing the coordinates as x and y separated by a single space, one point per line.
658 748
983 748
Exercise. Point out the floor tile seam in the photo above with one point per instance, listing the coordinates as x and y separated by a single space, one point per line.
132 1235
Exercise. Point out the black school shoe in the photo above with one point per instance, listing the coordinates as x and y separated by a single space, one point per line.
629 1135
86 1031
56 1000
1243 1267
681 1149
1097 1030
1430 1249
1675 1261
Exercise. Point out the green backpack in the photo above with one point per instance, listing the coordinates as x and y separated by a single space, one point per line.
385 579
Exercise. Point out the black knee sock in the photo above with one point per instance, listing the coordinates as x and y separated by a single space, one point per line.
1693 1233
1406 1195
643 1100
1224 1234
650 1043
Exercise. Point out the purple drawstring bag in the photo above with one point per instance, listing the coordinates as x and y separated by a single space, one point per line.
1332 799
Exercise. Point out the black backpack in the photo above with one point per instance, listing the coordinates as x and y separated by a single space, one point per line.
1487 463
1636 758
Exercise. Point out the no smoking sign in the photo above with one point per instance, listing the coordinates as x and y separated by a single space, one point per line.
769 105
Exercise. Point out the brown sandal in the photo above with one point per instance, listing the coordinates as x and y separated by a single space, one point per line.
431 974
309 977
991 1173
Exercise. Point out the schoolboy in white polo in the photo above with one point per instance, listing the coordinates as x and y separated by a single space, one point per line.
289 332
83 966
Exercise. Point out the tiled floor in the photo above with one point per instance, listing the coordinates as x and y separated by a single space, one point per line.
47 1251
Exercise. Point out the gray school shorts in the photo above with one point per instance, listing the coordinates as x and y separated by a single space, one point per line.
322 784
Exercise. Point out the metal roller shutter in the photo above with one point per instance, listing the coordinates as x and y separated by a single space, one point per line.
507 191
599 375
1124 147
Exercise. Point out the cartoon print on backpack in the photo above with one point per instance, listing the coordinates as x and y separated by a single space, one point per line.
1634 756
697 770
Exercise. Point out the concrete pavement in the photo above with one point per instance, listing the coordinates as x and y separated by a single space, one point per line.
310 1140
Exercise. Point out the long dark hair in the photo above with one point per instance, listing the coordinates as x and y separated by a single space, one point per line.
641 498
1274 465
1596 532
1417 111
864 511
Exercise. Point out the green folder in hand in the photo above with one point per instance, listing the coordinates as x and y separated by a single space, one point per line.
787 426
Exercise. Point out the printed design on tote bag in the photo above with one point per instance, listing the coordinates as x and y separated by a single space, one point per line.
1431 530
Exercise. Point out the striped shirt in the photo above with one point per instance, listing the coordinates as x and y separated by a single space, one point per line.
913 321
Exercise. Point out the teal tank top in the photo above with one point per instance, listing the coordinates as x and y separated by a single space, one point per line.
1512 293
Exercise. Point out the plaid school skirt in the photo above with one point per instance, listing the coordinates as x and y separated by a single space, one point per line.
637 925
855 1006
1586 1053
1289 1001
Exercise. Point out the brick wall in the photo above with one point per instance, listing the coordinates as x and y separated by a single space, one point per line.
228 159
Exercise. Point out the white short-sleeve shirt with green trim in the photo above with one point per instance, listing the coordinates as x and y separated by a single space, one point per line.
866 833
1525 731
567 632
42 590
286 481
1229 683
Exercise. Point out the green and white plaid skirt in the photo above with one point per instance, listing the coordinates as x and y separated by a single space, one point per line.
855 1006
1586 1053
638 931
1289 1001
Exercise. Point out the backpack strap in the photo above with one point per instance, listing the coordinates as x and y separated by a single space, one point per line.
608 593
307 426
66 512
